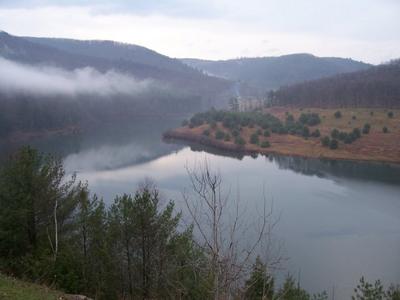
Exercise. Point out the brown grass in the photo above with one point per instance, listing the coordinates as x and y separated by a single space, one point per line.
375 146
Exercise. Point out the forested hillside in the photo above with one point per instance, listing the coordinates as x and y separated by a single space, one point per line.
265 73
48 84
376 87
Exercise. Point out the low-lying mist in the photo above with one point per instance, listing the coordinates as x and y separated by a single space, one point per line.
53 81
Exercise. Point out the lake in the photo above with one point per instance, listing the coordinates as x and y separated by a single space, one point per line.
337 222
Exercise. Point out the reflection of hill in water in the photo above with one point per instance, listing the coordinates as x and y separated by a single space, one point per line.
387 173
108 147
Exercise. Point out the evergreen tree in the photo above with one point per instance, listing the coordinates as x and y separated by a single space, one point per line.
260 285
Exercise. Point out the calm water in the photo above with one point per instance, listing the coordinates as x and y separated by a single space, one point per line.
338 220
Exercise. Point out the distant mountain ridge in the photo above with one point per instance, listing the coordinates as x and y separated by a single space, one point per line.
267 73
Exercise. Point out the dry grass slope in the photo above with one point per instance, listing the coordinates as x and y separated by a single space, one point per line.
375 146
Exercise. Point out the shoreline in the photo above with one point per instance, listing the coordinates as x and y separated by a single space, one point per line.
248 149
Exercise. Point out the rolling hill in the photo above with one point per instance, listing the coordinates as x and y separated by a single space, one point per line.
48 84
378 86
269 73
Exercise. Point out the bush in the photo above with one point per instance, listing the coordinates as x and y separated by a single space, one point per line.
259 132
206 132
334 144
213 124
185 123
227 138
342 135
385 129
240 141
219 135
265 144
366 128
235 133
289 118
338 114
390 114
267 133
357 132
354 117
335 133
309 119
371 113
306 132
325 141
349 138
254 139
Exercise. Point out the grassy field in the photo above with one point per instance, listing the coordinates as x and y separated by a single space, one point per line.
374 146
13 289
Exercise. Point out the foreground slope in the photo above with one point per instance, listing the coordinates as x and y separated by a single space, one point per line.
14 289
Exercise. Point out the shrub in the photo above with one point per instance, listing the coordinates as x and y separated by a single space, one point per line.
371 113
259 132
227 137
334 144
289 118
310 119
267 133
254 139
240 141
366 128
191 125
354 117
349 139
325 141
357 132
342 135
390 114
265 144
385 129
213 124
338 114
185 123
306 132
219 135
206 132
335 133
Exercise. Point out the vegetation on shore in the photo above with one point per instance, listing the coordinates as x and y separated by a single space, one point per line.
14 289
351 133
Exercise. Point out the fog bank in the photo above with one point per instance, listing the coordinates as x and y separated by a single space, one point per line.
46 80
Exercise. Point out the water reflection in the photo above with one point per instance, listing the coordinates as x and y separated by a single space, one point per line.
374 171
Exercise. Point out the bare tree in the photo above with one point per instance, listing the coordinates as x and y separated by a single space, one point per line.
230 238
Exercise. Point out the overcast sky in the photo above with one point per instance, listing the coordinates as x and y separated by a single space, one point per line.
367 30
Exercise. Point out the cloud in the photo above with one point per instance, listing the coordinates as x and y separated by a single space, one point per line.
44 80
361 29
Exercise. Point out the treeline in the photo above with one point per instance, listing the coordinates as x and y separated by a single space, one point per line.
376 87
53 231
